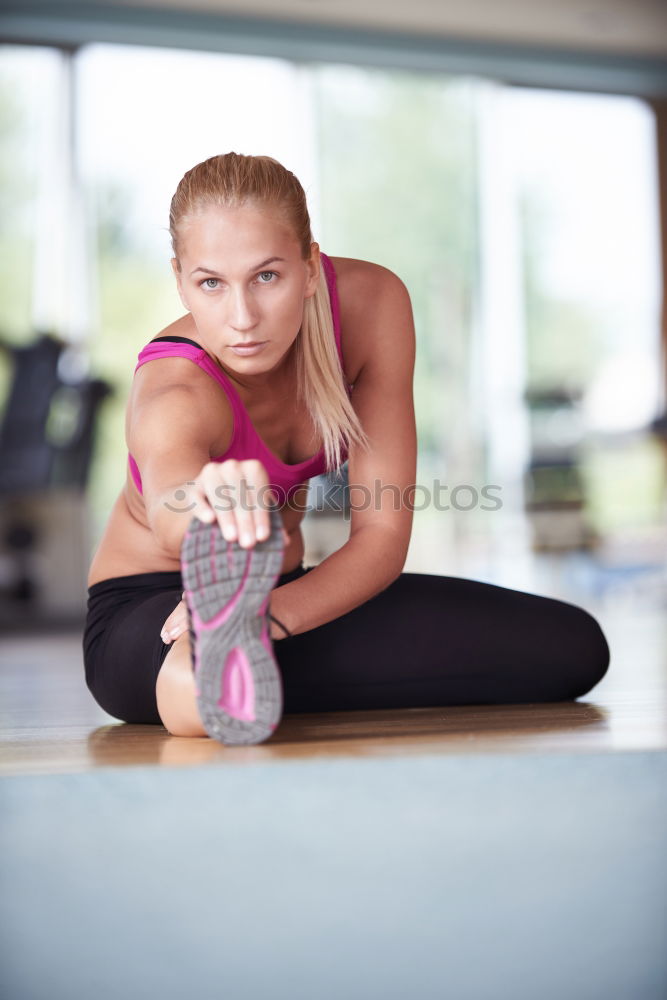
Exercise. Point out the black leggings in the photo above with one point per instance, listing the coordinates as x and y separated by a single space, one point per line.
423 641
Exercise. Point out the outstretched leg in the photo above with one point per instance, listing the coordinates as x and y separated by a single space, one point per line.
430 640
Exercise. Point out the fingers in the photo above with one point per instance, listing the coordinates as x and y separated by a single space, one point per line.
176 624
237 494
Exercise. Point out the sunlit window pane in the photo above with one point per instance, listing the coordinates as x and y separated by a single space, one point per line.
524 224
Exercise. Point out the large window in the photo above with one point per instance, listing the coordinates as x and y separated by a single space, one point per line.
29 80
585 168
522 222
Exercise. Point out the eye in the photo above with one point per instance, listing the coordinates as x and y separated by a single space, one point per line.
205 282
267 272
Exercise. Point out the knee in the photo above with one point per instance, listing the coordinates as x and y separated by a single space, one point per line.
177 719
176 696
588 651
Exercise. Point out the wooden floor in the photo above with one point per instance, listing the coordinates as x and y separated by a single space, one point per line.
50 724
479 851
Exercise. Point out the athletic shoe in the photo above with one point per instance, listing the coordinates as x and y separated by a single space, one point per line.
227 588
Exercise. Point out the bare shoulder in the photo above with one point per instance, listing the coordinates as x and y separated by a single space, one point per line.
356 279
375 312
166 374
169 375
173 393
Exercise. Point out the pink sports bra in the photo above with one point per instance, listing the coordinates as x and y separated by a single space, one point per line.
246 442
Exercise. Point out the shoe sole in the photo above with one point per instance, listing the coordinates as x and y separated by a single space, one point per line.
227 588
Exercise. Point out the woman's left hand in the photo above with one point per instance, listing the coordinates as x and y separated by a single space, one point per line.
176 624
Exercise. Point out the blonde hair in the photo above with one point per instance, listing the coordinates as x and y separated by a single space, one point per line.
230 180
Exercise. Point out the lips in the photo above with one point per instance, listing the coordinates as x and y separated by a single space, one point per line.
248 350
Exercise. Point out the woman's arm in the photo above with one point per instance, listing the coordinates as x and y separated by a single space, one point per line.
170 439
380 480
176 419
173 426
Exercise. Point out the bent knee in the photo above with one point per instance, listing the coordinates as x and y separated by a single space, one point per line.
176 695
590 654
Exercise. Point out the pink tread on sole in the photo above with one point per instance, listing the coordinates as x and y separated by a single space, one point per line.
238 688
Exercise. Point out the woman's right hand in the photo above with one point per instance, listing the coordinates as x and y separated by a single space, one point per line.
237 494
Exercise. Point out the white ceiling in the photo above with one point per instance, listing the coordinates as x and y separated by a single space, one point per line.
625 26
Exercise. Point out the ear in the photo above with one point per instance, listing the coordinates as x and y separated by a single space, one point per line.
177 275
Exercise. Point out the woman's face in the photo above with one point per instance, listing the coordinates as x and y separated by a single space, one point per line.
244 281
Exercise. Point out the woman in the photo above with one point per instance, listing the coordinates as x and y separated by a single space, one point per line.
286 363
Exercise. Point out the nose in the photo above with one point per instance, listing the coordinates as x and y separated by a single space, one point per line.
242 310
